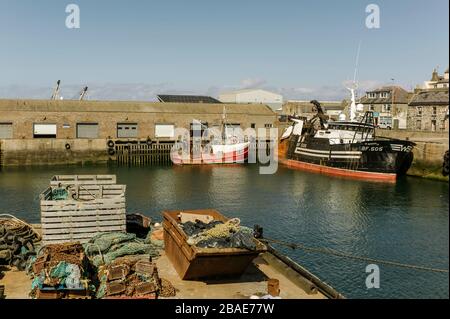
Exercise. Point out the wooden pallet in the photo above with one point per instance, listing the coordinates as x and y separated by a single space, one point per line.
83 180
96 209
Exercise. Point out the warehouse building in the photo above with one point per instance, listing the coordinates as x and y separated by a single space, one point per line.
63 131
31 119
256 96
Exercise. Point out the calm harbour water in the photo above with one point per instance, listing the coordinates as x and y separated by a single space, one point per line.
406 222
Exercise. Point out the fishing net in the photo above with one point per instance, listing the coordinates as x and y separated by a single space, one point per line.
195 228
60 271
103 242
105 248
219 231
62 267
220 235
60 194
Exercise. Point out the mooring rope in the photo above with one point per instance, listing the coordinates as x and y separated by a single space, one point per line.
349 256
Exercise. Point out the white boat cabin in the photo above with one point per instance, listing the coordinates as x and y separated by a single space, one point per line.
346 132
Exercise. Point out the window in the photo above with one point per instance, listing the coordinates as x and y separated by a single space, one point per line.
372 107
418 125
419 111
442 125
87 130
253 125
384 95
44 130
434 110
386 107
6 130
433 125
268 125
127 130
371 95
164 130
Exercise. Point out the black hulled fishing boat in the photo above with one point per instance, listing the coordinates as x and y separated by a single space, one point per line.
346 148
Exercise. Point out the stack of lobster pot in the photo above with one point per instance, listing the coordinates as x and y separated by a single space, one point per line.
17 242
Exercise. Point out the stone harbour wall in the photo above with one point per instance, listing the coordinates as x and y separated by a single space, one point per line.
26 152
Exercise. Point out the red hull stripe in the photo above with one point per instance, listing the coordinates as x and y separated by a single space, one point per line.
340 172
228 158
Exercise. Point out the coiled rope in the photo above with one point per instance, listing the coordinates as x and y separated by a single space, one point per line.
336 253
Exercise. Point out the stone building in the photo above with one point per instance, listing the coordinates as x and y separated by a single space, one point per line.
390 106
31 119
428 110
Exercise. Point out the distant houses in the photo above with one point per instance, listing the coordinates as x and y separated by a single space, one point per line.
393 107
428 108
425 109
389 105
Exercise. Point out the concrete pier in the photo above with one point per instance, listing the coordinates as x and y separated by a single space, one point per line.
428 153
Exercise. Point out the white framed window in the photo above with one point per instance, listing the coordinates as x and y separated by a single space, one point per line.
419 111
44 130
164 130
386 107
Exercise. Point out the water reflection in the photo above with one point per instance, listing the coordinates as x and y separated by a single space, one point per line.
407 221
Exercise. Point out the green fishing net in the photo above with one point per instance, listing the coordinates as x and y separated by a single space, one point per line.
105 248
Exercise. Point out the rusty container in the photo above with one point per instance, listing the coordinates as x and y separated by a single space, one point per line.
273 287
199 263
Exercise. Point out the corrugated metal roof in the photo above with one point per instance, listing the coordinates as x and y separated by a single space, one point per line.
131 106
247 91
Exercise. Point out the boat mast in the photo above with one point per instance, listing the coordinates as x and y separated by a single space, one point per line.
83 93
224 121
55 95
354 87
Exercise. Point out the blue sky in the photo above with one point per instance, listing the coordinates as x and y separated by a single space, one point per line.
135 49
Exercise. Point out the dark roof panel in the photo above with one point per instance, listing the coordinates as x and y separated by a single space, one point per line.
430 97
187 99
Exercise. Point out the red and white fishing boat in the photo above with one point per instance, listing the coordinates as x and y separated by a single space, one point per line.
229 149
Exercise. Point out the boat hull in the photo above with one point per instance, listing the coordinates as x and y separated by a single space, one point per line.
220 154
382 160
